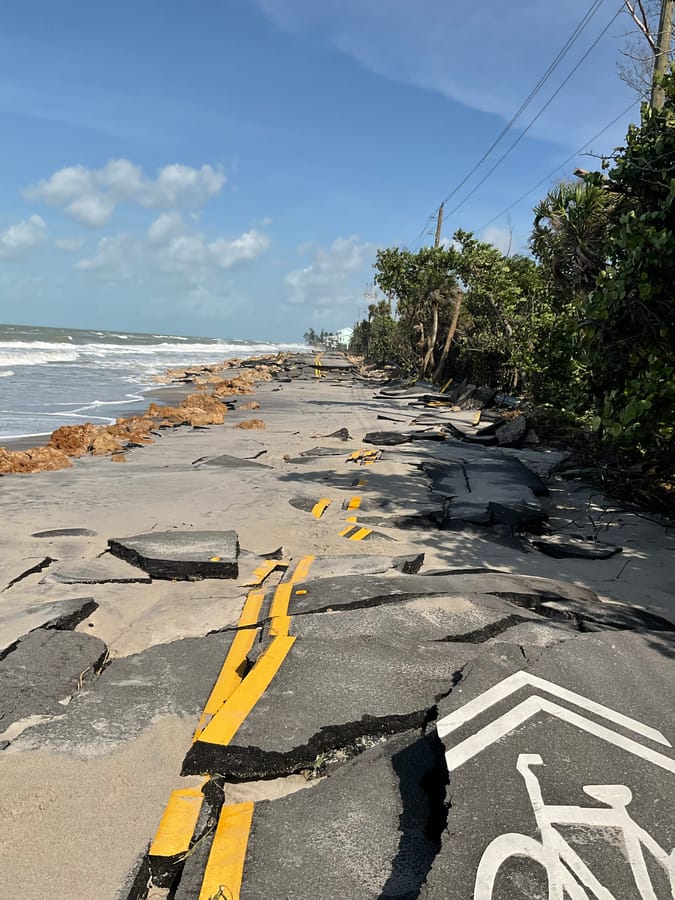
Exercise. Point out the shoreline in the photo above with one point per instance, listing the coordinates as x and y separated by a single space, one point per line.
171 392
35 452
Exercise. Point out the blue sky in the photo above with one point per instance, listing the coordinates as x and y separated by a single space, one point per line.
229 168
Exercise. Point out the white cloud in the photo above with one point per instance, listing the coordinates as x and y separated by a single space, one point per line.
18 240
174 248
166 226
181 249
90 196
69 245
328 281
115 258
92 210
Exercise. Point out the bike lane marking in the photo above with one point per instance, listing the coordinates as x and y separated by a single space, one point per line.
500 727
521 679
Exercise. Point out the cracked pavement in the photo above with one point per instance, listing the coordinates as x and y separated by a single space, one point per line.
436 697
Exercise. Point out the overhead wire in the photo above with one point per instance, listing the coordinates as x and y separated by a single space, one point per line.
571 40
567 46
538 115
558 167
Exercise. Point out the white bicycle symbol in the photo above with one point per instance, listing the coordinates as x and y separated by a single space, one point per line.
568 875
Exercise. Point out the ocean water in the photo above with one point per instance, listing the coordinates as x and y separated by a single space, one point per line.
63 376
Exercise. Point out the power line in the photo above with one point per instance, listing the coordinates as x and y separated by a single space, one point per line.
539 114
542 80
557 168
571 40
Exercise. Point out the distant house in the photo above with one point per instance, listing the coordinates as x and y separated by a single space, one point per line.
344 336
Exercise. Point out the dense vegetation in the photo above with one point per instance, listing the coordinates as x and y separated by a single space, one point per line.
586 324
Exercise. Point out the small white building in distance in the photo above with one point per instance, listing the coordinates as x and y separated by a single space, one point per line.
344 336
340 339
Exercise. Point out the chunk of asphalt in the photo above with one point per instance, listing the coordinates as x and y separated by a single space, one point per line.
362 591
45 666
229 462
322 451
64 532
339 566
386 438
512 432
306 504
181 555
312 707
33 570
571 745
436 618
61 615
342 434
105 569
131 693
488 490
380 839
561 546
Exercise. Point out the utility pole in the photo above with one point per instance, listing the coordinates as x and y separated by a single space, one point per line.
662 52
439 223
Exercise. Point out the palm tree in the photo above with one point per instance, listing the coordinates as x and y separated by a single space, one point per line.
569 235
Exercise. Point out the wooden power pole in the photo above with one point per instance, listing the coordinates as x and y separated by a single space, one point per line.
439 222
662 52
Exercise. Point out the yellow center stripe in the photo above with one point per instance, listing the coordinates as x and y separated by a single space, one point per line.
360 534
302 569
227 721
348 530
320 507
177 825
280 600
225 867
264 569
279 626
231 673
353 503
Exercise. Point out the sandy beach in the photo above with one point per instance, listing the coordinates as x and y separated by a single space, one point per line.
86 767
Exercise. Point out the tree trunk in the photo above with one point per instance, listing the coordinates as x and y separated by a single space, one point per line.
431 340
448 340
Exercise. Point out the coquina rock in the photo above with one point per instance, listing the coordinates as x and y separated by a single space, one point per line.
37 459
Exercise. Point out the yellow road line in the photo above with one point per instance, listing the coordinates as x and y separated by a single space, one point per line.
177 825
347 531
264 569
361 482
320 507
227 721
360 534
350 519
225 867
279 626
281 599
231 674
302 569
352 503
